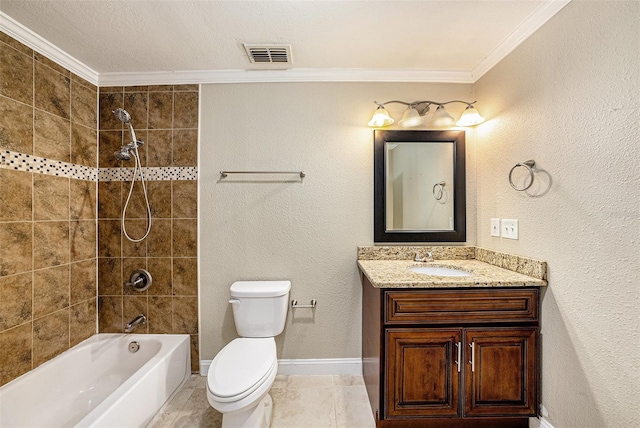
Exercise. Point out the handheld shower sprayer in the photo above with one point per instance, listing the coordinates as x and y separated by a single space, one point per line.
124 154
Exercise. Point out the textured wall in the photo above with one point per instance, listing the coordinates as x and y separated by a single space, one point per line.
306 232
166 119
47 218
568 97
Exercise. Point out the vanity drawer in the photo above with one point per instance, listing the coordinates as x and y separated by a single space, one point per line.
457 306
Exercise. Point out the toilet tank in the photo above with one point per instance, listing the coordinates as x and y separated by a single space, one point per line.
260 307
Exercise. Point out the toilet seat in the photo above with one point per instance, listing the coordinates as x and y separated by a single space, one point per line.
241 367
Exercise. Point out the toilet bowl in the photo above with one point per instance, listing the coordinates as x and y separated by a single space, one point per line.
242 373
239 380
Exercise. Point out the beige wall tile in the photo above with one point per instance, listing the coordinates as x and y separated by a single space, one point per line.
159 244
82 195
108 102
137 206
52 136
110 276
84 149
109 142
185 276
50 243
185 110
15 300
51 64
83 281
83 240
137 105
160 110
185 315
159 148
185 199
16 250
109 238
50 336
185 147
15 197
52 91
195 353
50 197
50 290
160 270
16 126
110 314
190 88
79 80
16 74
160 88
136 89
84 102
136 230
111 89
109 199
160 310
82 321
5 38
160 193
185 238
15 352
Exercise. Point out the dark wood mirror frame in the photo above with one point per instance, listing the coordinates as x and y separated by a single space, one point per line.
459 232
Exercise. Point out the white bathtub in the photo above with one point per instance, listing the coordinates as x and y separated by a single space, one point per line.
99 383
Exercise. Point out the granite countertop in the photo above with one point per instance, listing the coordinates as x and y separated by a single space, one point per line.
396 274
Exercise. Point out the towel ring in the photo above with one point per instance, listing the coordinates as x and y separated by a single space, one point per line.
439 192
529 165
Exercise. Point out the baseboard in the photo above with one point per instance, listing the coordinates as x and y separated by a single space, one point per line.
539 423
320 366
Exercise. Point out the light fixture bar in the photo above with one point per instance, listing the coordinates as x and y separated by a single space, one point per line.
441 117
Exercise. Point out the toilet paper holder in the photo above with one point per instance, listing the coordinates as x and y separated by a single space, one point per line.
294 304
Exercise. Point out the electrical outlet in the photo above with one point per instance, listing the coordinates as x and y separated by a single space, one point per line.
509 228
495 227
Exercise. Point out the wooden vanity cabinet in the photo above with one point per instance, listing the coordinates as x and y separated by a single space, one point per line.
451 357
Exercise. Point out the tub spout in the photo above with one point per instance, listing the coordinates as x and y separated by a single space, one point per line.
137 321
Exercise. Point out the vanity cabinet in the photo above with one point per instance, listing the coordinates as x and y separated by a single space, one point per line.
451 357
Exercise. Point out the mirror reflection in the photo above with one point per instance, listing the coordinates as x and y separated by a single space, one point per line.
419 191
419 186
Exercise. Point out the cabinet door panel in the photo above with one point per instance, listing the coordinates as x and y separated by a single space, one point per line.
422 373
502 379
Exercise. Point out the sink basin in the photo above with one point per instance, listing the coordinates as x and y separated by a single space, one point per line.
439 271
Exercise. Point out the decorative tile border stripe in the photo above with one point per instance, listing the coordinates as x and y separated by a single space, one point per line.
150 173
30 163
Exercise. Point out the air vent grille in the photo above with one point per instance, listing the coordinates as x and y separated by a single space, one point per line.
269 54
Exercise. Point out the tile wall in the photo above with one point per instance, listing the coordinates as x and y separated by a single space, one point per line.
47 219
166 119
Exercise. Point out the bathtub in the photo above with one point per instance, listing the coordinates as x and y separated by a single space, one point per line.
99 383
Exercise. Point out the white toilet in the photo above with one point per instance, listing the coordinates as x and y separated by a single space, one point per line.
242 373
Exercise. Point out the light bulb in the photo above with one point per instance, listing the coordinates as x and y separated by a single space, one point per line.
470 117
380 118
410 118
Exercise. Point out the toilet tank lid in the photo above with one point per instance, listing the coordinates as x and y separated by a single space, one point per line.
260 288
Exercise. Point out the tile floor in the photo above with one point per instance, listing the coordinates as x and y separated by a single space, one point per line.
298 402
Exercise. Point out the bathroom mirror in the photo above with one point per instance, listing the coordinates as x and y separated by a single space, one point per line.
419 186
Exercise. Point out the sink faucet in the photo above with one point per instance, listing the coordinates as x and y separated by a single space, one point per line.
428 257
137 321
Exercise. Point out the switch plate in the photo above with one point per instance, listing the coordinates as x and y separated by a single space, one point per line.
495 227
509 228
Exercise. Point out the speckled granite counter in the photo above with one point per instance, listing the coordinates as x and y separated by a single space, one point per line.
489 269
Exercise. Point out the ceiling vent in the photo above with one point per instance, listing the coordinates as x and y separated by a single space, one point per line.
273 55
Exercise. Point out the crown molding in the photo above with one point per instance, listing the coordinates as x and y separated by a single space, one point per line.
529 26
291 75
27 37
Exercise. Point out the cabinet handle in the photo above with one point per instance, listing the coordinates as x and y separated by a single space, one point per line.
472 362
459 346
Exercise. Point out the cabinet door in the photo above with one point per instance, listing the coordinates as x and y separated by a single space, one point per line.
500 375
422 372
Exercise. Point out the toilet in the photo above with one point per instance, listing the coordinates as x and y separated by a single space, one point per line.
242 373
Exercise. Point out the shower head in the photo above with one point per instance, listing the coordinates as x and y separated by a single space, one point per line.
122 115
122 154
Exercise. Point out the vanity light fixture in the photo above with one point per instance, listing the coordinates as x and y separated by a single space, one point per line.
415 112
